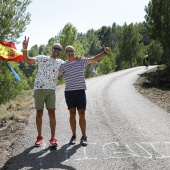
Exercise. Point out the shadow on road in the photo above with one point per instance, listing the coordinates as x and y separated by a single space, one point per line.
41 159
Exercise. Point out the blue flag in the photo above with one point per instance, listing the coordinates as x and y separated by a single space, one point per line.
13 72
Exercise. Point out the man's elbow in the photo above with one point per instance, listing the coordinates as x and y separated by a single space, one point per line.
92 60
28 61
25 60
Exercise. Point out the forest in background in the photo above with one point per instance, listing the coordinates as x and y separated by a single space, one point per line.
129 44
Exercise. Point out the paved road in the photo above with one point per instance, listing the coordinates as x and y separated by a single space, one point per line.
125 131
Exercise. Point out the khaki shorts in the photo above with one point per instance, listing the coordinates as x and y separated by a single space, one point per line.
44 96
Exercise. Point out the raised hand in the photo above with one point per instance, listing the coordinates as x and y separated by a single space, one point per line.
25 43
106 49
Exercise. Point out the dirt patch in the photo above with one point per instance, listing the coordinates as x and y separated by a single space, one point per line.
10 129
8 136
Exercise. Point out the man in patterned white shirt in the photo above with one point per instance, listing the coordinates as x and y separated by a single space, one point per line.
44 87
75 87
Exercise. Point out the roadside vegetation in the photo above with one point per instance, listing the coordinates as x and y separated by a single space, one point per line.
155 85
16 109
156 78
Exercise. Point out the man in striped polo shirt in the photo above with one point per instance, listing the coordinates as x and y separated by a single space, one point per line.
73 71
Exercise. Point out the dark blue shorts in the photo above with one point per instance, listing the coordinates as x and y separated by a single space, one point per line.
76 99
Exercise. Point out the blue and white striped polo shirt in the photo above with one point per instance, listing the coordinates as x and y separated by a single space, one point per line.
74 74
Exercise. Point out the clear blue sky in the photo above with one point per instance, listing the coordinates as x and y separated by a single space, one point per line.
48 17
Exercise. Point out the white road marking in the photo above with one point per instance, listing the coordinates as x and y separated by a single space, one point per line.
85 155
129 152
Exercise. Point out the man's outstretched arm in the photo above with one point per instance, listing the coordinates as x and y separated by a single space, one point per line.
99 56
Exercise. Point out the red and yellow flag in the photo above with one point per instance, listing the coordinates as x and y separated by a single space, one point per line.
9 52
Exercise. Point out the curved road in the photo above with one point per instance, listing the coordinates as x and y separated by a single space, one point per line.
125 131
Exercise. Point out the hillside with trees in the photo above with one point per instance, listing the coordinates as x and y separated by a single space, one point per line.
128 43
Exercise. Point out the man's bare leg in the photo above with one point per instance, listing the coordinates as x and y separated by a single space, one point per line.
51 113
39 115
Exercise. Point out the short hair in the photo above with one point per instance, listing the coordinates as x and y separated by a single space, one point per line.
70 47
57 44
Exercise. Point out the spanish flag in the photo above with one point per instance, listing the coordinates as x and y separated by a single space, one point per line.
9 52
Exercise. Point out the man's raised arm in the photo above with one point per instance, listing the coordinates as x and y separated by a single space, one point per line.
99 56
27 59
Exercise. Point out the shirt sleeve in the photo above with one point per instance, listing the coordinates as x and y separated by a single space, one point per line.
61 69
37 59
85 61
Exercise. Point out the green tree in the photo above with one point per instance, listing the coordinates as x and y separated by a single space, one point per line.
32 78
114 37
28 69
112 57
13 19
48 48
34 51
158 23
128 46
94 47
79 48
154 52
105 66
142 29
105 36
67 36
41 49
91 43
9 86
142 51
13 22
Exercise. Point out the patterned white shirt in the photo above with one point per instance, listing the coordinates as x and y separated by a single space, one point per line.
47 73
74 74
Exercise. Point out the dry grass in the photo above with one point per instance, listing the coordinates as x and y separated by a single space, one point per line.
15 110
14 117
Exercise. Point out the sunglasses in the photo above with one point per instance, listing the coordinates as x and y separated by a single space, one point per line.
69 51
56 48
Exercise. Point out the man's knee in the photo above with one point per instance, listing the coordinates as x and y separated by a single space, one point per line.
72 113
39 113
51 113
81 112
